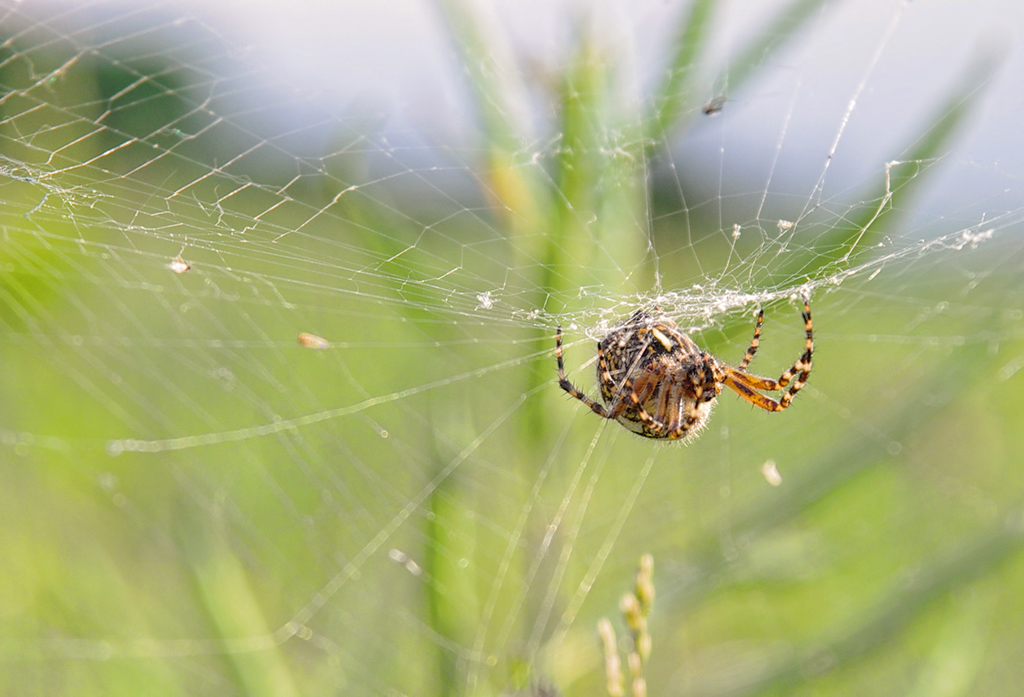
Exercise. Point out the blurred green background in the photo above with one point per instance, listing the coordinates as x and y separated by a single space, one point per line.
194 503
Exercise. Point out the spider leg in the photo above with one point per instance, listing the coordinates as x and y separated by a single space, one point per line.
657 428
746 389
693 415
747 385
753 344
738 383
683 429
803 364
565 384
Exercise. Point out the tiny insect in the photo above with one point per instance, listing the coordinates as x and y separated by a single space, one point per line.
714 106
313 341
658 383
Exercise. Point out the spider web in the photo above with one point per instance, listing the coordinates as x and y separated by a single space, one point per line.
280 290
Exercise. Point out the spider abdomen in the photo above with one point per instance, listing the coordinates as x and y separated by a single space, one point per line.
655 379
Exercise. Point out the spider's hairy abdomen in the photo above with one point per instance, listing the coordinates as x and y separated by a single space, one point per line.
674 381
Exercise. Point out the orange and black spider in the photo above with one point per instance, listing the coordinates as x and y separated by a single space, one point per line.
658 383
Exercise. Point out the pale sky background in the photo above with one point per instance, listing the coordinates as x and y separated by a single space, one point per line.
898 59
313 64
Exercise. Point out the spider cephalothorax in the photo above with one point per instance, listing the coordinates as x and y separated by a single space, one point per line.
657 382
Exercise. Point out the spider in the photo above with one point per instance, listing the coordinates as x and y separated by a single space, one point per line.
658 383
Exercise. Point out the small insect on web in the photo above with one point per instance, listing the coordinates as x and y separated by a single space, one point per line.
658 383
